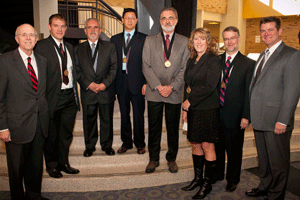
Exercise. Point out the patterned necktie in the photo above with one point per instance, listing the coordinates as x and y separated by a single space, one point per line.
128 39
64 70
261 64
168 41
32 74
225 80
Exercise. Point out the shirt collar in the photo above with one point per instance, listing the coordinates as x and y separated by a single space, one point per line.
131 33
232 56
24 56
170 35
96 42
274 47
58 42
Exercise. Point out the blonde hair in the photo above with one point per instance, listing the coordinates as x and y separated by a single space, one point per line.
211 43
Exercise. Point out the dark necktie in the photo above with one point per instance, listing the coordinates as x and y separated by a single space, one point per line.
32 74
64 70
225 80
128 39
261 64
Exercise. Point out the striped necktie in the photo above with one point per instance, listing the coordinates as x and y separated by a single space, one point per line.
225 79
32 74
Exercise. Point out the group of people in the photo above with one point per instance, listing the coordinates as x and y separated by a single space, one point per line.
218 96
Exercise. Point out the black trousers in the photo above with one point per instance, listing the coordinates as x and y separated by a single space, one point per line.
61 130
274 162
138 107
90 124
25 162
230 141
155 116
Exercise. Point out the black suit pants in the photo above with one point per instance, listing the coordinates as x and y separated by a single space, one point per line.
138 107
274 162
230 141
90 125
155 116
61 130
25 162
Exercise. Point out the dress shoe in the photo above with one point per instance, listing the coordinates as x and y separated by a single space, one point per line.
255 192
217 178
89 152
54 173
173 168
230 187
68 169
141 150
151 166
109 151
122 150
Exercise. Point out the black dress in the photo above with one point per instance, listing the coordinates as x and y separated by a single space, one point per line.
201 89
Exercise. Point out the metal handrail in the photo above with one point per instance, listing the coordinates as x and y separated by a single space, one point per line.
77 11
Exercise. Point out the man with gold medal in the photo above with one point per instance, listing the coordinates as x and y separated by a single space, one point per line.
164 61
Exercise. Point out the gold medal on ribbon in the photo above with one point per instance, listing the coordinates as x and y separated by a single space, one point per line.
167 63
124 60
223 84
66 72
188 89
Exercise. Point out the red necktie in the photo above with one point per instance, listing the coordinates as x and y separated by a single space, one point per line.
32 74
225 79
167 41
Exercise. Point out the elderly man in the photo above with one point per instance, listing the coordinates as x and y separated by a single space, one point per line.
164 60
24 116
96 69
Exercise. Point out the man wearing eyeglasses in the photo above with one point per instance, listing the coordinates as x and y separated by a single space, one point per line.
130 82
164 61
234 113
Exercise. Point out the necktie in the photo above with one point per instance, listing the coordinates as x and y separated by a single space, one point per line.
93 48
64 70
261 64
225 80
32 74
128 39
61 49
168 41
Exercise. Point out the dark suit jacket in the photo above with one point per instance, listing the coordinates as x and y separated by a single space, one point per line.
20 104
236 102
204 78
136 79
46 48
105 73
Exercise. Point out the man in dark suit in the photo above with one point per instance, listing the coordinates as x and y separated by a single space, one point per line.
274 95
234 113
96 69
62 96
130 82
24 115
164 61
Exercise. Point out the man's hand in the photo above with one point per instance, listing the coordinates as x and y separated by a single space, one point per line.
101 87
144 89
279 128
93 86
244 123
5 136
166 91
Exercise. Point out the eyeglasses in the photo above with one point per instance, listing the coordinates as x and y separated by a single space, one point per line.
230 39
31 35
92 27
130 18
169 18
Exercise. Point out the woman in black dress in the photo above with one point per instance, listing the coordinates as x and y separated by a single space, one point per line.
201 107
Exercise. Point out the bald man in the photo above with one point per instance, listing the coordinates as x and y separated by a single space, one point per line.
24 116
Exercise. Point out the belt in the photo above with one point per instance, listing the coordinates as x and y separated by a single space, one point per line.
123 71
66 90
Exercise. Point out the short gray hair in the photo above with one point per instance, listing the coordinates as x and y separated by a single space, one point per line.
170 9
85 23
18 29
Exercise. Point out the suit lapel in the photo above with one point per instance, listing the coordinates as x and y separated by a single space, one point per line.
176 45
260 56
134 47
87 54
19 64
236 65
159 47
42 79
101 51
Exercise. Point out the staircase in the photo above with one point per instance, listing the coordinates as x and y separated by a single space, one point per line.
126 171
